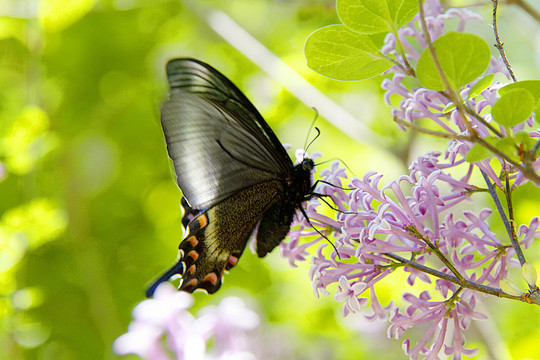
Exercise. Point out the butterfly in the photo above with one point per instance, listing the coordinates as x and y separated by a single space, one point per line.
234 174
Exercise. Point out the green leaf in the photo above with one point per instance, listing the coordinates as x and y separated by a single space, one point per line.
532 86
513 107
480 86
478 152
463 57
522 137
375 16
507 145
525 139
340 53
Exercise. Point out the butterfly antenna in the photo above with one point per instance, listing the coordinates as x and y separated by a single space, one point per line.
177 268
306 146
341 161
315 138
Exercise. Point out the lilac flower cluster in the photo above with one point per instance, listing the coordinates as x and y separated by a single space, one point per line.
418 221
382 222
163 326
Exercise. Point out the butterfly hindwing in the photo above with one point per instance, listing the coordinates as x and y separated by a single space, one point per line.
204 253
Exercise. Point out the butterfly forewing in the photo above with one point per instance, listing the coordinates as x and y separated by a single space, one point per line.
218 145
197 77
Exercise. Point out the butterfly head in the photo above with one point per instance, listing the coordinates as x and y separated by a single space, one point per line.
307 164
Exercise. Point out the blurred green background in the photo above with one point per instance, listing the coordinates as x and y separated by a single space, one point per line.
89 210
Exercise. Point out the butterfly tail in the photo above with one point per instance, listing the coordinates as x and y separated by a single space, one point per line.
177 268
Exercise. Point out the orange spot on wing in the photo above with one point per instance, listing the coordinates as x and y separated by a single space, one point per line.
193 254
203 220
192 240
233 260
192 282
212 278
192 269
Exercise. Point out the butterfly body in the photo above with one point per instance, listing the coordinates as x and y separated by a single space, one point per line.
234 174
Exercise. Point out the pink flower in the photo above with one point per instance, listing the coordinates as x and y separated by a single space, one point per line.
348 294
163 326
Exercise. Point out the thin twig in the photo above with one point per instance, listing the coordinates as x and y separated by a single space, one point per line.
507 225
477 116
435 249
406 70
409 69
509 204
531 297
499 44
431 132
463 283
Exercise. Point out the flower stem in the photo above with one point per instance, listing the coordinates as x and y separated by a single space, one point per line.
507 225
408 69
464 283
437 252
483 121
513 238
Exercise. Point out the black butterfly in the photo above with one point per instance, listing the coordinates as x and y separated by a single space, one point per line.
232 170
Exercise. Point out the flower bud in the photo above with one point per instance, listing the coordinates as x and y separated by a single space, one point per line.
508 287
528 272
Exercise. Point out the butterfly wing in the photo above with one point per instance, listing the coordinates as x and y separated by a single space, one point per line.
218 141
